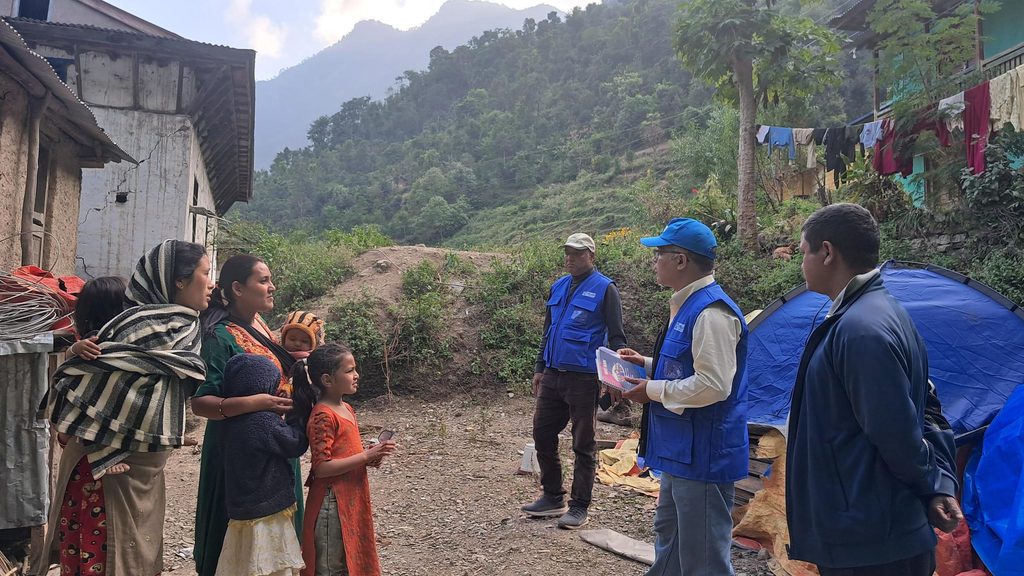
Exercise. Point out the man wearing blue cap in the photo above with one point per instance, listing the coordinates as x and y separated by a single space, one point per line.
584 312
694 427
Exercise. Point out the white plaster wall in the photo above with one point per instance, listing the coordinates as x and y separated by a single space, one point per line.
206 228
112 236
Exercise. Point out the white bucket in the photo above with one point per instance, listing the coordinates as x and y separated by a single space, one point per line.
529 464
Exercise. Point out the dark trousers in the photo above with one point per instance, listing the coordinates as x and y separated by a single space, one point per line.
920 565
565 397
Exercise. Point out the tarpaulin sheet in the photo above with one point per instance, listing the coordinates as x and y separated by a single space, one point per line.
975 343
993 499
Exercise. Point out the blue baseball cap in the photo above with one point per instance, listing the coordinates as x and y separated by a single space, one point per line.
685 233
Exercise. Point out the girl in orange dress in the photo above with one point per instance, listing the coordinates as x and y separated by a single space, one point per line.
337 532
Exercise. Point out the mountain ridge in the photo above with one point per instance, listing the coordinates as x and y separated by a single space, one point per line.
366 62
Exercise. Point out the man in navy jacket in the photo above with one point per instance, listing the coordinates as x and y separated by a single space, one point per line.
863 485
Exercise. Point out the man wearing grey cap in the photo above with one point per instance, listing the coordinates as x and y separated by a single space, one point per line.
694 427
584 312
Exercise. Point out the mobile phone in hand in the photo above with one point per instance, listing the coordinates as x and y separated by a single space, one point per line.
385 435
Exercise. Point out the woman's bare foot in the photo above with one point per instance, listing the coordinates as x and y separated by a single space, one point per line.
118 469
191 441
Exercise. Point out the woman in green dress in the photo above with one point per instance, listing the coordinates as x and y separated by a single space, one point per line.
233 326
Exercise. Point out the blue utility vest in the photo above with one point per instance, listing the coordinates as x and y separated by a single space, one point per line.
577 326
706 444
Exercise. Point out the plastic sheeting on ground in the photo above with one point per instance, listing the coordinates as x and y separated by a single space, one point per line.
617 467
620 544
974 336
993 498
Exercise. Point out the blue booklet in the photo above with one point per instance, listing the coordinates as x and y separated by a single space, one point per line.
613 370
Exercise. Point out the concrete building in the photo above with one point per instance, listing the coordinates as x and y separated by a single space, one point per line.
46 137
184 109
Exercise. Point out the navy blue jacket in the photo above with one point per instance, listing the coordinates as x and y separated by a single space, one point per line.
859 473
258 477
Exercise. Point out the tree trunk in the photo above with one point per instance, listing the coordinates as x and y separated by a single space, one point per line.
746 199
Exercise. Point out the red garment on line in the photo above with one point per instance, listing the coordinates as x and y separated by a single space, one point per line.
978 106
888 159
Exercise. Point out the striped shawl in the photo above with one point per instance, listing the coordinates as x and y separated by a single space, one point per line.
132 397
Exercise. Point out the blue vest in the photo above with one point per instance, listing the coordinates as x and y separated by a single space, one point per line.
702 444
577 325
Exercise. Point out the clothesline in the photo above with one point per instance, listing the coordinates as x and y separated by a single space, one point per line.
975 113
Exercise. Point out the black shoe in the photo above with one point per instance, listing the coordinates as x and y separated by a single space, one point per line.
546 507
574 519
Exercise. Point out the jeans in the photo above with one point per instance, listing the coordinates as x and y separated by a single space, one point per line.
563 397
692 528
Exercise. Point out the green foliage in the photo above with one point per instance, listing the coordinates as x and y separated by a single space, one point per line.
754 281
920 50
881 195
1003 270
360 238
996 196
792 55
512 295
355 323
303 267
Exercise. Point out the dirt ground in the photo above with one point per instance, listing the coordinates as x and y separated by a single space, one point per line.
448 503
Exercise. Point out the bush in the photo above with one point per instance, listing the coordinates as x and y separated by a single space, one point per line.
354 322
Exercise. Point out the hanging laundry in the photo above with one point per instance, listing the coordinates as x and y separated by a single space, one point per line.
977 109
839 145
952 111
889 155
1018 122
871 133
805 137
781 137
1004 99
762 132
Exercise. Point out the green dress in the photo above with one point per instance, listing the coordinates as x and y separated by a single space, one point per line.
227 340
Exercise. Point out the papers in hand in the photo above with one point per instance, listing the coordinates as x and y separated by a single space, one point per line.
613 370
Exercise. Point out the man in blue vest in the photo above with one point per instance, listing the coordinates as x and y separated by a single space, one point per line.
867 475
584 312
694 427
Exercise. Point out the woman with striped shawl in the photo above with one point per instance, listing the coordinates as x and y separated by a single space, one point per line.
126 408
233 326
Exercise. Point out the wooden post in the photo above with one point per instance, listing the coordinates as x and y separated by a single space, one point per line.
37 108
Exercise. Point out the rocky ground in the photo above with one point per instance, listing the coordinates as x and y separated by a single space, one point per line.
448 502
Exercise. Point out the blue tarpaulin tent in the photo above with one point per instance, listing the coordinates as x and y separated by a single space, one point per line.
993 498
974 336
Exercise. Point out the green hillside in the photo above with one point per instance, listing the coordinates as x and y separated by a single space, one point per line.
514 133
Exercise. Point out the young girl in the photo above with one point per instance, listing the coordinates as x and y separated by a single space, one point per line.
260 539
100 300
337 532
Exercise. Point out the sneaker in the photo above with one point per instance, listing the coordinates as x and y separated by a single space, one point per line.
574 519
619 414
546 507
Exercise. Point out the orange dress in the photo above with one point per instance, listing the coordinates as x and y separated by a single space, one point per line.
332 437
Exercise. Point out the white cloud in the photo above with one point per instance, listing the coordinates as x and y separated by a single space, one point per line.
262 34
338 17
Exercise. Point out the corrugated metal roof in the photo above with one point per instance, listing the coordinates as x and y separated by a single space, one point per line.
103 29
77 112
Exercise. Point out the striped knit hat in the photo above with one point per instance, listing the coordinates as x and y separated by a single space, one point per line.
306 322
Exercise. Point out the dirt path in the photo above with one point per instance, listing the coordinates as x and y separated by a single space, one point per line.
448 503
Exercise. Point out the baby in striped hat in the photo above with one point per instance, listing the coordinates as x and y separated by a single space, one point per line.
302 333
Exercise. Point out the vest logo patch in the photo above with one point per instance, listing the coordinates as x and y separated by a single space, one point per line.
681 327
589 294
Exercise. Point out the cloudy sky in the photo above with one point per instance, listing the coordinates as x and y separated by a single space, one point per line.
284 33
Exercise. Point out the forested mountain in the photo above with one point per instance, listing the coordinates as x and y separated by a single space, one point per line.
365 63
491 120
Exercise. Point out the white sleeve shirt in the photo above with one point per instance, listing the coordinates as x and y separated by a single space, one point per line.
716 333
